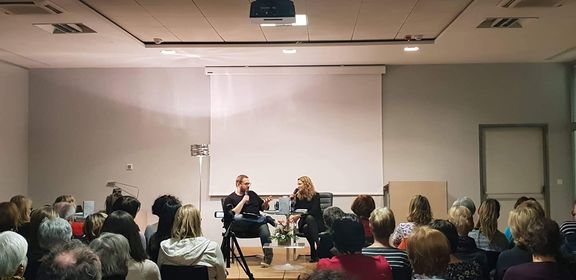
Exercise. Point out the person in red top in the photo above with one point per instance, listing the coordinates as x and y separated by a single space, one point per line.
348 234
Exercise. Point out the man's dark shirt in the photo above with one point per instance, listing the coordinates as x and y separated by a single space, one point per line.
254 205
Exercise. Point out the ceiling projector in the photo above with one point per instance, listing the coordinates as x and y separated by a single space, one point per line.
272 11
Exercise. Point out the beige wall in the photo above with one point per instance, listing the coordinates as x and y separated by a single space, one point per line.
86 124
13 131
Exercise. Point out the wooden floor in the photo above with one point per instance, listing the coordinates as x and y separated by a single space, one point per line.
236 272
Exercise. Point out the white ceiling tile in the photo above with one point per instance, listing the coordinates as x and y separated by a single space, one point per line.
231 18
381 19
332 19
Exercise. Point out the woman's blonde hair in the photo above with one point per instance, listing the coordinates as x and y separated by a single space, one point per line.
420 211
187 223
24 205
461 217
428 251
382 223
488 215
520 217
307 191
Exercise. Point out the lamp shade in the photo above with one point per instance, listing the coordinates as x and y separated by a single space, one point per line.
199 150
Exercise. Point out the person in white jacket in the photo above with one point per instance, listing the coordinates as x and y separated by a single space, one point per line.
188 247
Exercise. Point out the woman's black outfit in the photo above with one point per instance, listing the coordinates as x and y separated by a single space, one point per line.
311 223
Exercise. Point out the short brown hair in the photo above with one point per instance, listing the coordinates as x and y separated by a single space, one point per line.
9 216
428 251
187 223
93 225
382 223
420 210
461 217
363 205
240 178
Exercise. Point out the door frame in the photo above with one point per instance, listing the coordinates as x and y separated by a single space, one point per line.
482 144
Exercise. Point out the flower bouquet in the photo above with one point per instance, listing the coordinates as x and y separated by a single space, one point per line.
284 234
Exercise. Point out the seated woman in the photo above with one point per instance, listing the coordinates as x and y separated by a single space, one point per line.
382 224
24 206
348 234
93 226
114 252
166 212
429 253
486 234
311 223
420 214
12 255
188 247
363 206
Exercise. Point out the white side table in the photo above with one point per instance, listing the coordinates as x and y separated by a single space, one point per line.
288 265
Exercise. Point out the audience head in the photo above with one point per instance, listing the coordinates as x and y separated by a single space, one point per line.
363 206
111 198
65 198
65 210
420 211
126 203
122 223
466 202
543 238
161 201
326 274
461 217
348 234
428 251
24 206
70 261
53 232
488 215
522 199
187 223
93 225
449 230
114 252
165 207
520 217
331 214
36 218
12 255
9 216
306 188
382 223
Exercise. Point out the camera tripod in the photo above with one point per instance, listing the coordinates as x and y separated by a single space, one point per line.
229 242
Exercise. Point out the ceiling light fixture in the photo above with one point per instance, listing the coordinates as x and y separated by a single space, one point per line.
301 20
168 52
411 49
289 51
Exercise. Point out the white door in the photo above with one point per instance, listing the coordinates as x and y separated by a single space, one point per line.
513 164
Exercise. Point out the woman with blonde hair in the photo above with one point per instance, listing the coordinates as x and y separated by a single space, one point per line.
93 226
311 223
24 205
420 213
428 252
486 234
188 247
461 218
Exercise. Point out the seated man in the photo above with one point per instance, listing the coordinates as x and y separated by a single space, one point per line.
70 261
244 201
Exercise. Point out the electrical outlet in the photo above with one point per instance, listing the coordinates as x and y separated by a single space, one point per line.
129 167
559 182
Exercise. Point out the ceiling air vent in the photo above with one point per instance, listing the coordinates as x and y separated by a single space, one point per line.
532 3
65 28
506 22
30 8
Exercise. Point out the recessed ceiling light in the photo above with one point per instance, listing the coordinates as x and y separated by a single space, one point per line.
168 52
301 20
289 51
411 49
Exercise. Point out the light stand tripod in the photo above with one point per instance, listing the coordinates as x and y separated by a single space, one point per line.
230 241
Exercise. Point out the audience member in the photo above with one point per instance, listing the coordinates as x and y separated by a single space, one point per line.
65 206
139 267
35 252
70 261
507 231
188 247
311 223
157 206
111 198
461 218
543 238
348 234
24 206
127 203
465 202
382 224
8 216
325 241
166 212
520 217
457 269
53 232
12 255
428 252
420 214
93 226
363 206
114 251
568 230
486 234
325 275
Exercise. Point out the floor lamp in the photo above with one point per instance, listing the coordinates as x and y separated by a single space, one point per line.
200 151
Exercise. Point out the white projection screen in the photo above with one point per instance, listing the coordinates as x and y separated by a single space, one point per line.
276 128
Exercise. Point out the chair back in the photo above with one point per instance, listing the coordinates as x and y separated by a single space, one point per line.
326 200
195 272
570 243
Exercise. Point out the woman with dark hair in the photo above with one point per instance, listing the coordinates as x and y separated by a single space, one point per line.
363 206
310 223
543 239
126 203
457 269
348 234
486 234
139 267
156 208
420 214
166 213
93 226
9 216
